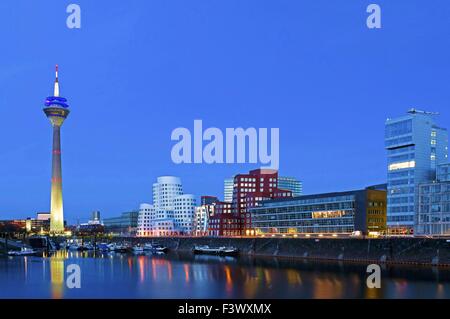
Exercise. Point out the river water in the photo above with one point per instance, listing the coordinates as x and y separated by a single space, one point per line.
110 275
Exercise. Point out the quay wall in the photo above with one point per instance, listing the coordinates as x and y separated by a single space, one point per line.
394 250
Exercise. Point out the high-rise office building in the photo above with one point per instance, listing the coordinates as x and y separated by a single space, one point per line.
415 145
56 110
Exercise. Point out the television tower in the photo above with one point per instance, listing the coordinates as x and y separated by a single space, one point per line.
56 110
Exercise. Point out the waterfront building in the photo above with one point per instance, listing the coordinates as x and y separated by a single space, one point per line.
287 183
291 184
146 215
225 222
93 226
332 214
252 188
123 225
172 212
184 213
56 110
434 205
203 214
415 146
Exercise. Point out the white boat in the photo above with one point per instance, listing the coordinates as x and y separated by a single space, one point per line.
155 248
138 249
118 248
24 251
223 250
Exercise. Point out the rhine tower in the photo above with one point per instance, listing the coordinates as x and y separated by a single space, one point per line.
56 109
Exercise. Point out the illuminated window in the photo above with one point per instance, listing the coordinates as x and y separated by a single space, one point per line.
402 165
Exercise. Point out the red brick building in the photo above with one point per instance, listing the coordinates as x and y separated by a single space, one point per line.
234 219
252 188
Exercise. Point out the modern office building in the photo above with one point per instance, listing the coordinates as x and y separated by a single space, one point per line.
56 110
172 212
434 205
123 225
331 214
291 184
415 146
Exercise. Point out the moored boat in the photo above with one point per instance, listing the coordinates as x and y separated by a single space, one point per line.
155 248
223 250
24 251
138 249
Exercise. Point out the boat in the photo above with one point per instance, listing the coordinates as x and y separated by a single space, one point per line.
155 248
138 249
24 251
102 247
118 248
223 250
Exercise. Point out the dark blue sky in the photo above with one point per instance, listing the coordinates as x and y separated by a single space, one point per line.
138 69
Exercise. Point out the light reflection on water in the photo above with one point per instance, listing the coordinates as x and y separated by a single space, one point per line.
108 275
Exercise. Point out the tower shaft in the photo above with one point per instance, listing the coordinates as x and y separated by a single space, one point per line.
56 204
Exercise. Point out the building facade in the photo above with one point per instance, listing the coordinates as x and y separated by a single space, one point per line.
287 183
184 213
415 146
252 188
203 213
123 225
330 214
291 184
228 190
172 212
434 205
225 222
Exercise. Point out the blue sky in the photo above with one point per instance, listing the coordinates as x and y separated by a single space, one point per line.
136 70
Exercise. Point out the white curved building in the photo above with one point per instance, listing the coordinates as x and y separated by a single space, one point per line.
146 215
184 213
172 212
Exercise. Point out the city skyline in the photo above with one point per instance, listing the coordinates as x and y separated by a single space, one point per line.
315 89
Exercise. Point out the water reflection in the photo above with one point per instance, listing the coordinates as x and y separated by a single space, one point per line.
57 273
114 275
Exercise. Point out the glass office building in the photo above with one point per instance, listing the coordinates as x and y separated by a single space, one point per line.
322 214
415 146
434 205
